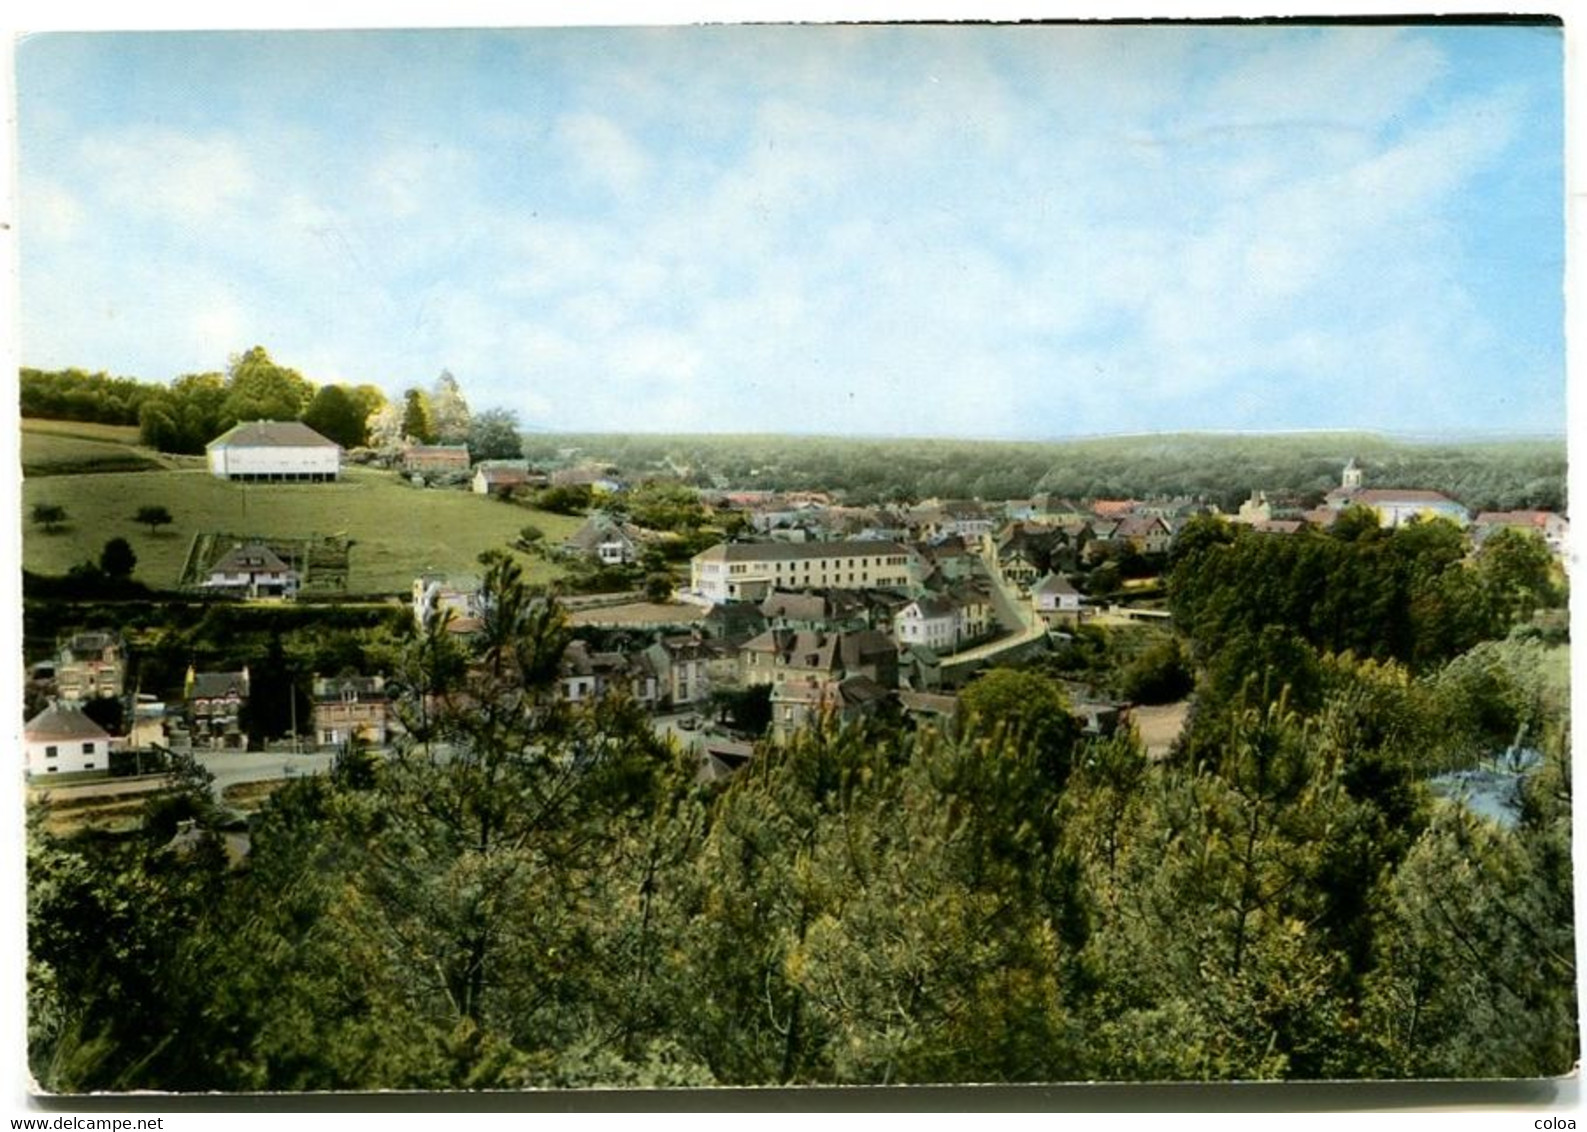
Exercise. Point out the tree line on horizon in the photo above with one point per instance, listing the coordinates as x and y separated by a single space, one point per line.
1211 469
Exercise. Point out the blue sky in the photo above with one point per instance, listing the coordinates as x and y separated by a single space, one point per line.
974 230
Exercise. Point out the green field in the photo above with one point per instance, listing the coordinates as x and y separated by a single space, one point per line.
397 531
66 447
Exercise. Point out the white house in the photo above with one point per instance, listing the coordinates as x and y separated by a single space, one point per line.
606 539
492 477
252 569
745 571
274 451
1056 599
62 740
1395 506
929 620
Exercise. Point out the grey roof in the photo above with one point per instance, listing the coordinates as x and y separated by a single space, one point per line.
935 605
249 558
209 685
336 688
271 434
804 648
1055 584
63 721
929 703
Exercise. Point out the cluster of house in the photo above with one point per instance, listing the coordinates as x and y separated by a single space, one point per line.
836 610
90 711
1395 507
830 648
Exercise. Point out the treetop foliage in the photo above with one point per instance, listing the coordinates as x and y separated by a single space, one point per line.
530 892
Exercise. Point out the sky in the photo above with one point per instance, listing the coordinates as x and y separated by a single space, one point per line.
999 231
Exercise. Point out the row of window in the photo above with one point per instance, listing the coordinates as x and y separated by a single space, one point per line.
52 751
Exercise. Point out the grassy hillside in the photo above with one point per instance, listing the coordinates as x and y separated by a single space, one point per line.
397 530
68 447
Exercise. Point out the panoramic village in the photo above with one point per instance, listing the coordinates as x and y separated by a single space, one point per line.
823 610
741 732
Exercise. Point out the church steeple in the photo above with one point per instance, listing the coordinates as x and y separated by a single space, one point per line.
1352 477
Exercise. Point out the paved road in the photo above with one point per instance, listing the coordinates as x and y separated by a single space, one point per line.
232 768
1013 612
229 768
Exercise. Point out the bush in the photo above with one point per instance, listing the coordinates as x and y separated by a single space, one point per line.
1160 675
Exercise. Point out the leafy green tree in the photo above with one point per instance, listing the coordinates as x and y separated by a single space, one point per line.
336 415
1029 706
187 415
417 424
117 559
1515 570
493 435
530 537
113 972
154 517
664 506
1159 675
259 389
658 587
1477 975
747 710
571 499
51 516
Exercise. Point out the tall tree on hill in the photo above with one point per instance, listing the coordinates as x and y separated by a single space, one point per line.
51 516
449 413
336 415
186 416
259 389
154 517
493 435
417 423
369 399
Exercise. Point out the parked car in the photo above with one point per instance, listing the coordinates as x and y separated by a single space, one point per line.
689 722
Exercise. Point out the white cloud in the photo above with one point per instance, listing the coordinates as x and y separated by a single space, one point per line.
188 179
50 212
602 152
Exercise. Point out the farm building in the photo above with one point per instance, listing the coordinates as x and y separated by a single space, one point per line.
492 477
63 740
435 458
274 451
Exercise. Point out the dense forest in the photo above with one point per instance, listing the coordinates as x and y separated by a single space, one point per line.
536 894
1219 469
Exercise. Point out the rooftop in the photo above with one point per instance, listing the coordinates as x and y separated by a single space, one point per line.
271 434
